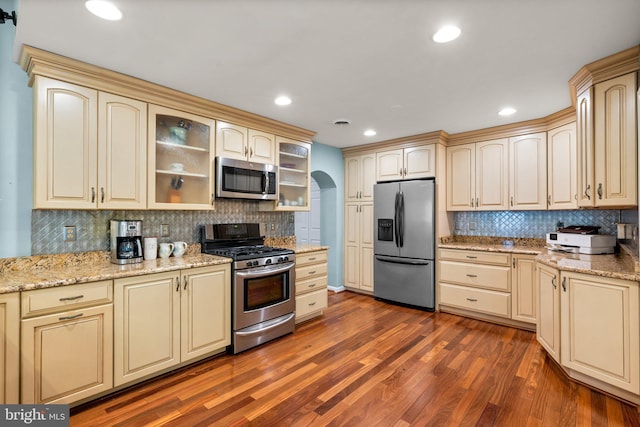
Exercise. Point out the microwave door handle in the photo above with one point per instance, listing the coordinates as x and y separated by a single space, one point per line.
265 182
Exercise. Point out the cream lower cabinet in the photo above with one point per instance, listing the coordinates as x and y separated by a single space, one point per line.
9 348
523 289
66 347
311 284
548 302
476 281
600 329
358 251
164 319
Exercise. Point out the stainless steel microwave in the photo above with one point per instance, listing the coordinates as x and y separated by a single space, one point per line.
239 179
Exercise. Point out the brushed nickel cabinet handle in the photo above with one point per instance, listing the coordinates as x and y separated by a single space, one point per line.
93 194
71 298
472 275
311 304
313 285
587 191
553 282
400 171
312 272
177 284
549 200
101 194
312 259
511 200
564 284
74 316
472 299
405 171
186 281
250 152
600 191
471 257
472 202
514 263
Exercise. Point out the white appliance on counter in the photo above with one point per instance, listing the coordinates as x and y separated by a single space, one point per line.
592 244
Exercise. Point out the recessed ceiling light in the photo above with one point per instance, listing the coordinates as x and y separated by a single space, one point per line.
283 100
507 111
446 34
104 9
369 132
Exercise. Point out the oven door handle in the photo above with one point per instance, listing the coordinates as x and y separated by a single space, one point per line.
261 271
267 325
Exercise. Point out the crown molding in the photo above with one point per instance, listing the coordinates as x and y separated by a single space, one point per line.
624 62
43 63
435 137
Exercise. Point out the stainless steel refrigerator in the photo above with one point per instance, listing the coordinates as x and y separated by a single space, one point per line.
404 245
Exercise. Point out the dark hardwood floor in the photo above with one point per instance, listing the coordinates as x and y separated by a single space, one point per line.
367 363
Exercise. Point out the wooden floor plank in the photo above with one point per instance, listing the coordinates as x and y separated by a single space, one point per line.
368 363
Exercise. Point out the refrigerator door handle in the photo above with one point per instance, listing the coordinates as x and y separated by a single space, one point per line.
395 260
395 220
401 218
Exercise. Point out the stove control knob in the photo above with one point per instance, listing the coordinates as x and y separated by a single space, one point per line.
249 263
255 263
268 261
280 259
285 259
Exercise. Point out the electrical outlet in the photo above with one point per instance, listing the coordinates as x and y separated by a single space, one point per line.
472 226
69 233
273 226
164 230
459 225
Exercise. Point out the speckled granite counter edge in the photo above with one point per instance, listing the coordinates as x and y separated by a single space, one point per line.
624 265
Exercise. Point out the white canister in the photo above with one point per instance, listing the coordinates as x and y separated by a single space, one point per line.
165 250
150 247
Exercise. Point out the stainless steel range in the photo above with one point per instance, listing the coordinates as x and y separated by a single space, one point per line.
262 284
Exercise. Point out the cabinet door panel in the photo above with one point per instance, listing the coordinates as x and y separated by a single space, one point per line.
389 165
492 168
122 152
205 311
368 175
461 173
231 141
67 360
146 344
600 328
528 172
262 147
352 178
420 162
562 168
616 142
65 150
548 316
10 348
523 296
584 129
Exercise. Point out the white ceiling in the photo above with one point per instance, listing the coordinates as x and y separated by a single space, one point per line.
369 61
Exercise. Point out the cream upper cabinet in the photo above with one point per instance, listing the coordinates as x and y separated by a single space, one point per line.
523 288
65 145
232 141
294 174
562 163
607 143
180 172
477 176
528 172
407 163
548 309
358 265
616 142
90 148
10 348
262 147
360 177
122 152
600 329
238 142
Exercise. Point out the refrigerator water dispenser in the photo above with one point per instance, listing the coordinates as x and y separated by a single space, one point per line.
385 229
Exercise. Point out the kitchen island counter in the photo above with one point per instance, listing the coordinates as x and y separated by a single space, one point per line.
46 271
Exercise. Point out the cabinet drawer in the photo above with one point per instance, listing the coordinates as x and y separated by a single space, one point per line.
498 258
304 286
481 300
64 298
477 275
314 270
311 258
310 302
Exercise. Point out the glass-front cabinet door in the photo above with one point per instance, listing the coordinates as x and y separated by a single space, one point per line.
181 153
293 174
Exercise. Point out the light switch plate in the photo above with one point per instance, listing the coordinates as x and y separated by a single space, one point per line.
164 230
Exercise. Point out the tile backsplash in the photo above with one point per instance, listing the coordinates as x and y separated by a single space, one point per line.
536 224
92 227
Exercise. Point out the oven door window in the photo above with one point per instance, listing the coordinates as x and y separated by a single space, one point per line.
262 292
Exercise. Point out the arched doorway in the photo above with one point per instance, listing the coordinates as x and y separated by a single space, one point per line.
322 221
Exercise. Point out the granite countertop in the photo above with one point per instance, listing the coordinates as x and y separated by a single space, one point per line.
45 271
623 265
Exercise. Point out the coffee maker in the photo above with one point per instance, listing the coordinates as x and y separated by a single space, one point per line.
126 241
